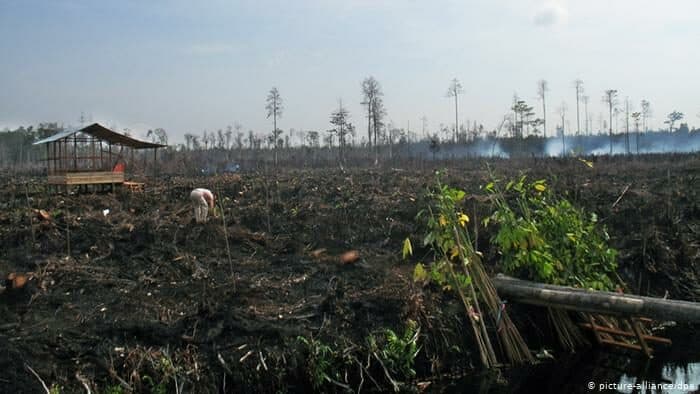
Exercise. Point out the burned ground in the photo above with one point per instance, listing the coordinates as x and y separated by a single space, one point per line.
139 293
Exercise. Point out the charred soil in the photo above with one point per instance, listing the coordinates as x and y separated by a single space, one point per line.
124 291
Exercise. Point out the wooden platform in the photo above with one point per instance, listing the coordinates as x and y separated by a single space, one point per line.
87 178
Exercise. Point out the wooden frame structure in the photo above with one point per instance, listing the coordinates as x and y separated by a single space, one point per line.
607 332
599 306
89 156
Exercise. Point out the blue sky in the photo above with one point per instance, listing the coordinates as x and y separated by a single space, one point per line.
190 67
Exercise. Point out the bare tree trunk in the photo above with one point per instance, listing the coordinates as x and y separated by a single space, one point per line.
544 117
456 119
610 128
627 125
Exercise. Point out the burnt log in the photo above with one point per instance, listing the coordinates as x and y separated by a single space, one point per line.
592 301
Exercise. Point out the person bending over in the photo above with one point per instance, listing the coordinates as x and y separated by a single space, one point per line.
202 200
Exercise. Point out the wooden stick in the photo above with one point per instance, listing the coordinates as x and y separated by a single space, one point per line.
386 372
620 198
31 221
640 337
621 344
84 382
223 363
596 334
38 377
628 334
245 356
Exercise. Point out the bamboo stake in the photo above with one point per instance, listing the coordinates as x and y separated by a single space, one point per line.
489 348
477 334
228 247
515 348
29 208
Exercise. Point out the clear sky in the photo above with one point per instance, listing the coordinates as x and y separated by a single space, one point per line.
190 66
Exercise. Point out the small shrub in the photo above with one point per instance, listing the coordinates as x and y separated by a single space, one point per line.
545 238
448 236
114 389
324 364
398 352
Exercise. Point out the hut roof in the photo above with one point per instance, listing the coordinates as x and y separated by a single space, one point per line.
105 134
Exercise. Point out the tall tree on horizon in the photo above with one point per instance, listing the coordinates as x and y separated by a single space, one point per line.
610 98
158 135
672 118
339 118
585 99
627 125
229 135
542 88
274 109
646 112
372 99
636 116
578 84
378 114
189 138
562 112
455 90
371 92
520 108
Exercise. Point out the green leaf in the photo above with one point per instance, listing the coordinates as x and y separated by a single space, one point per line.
420 274
407 248
429 239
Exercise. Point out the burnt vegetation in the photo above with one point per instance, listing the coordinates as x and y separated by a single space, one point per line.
123 292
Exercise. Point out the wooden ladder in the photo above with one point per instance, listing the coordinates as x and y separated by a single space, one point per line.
608 332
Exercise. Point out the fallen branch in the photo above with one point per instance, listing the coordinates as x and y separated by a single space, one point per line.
262 360
386 372
84 382
245 356
363 368
180 211
620 198
223 363
121 381
339 384
8 326
38 377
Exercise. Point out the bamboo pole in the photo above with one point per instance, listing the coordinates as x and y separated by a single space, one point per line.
603 302
514 345
491 355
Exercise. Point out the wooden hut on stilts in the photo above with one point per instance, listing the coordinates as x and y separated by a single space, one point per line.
93 157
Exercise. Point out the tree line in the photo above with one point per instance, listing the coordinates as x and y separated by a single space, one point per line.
521 122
